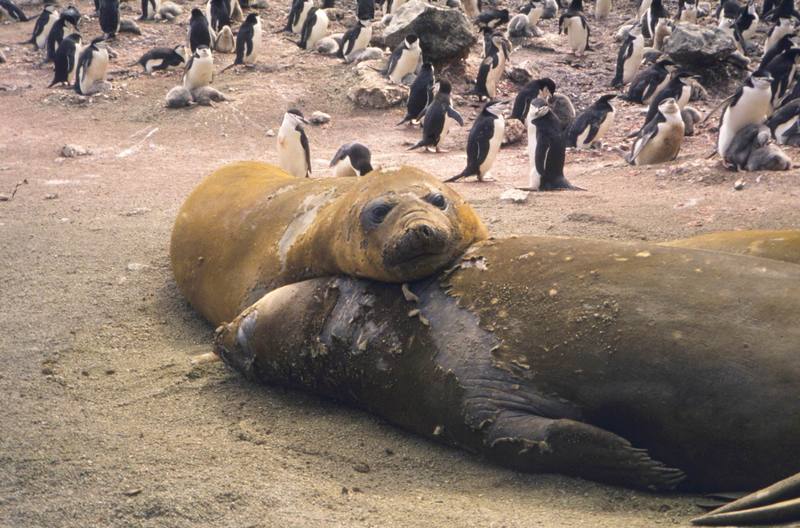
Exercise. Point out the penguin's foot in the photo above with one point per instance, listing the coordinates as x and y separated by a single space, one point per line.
486 177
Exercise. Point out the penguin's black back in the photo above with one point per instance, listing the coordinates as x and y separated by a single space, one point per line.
198 31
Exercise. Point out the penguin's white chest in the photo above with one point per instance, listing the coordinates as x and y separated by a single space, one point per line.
291 155
494 145
250 59
631 66
607 123
301 20
686 94
780 130
534 178
407 63
96 71
71 73
751 108
494 74
319 30
577 35
344 168
783 28
41 39
200 74
362 40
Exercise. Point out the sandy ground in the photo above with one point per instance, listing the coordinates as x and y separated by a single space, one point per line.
104 420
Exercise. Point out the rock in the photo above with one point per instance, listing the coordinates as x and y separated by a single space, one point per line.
137 211
514 132
367 54
515 196
695 47
4 197
320 118
738 185
73 151
127 25
372 90
522 73
445 34
178 97
361 467
136 266
98 87
270 133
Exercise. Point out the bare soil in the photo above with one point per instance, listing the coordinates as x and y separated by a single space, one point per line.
104 420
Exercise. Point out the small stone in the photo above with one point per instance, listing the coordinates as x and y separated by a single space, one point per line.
738 185
47 371
270 133
2 57
136 266
132 492
361 467
320 118
51 196
515 196
137 211
73 151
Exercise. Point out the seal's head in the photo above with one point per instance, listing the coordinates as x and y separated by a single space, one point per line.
403 224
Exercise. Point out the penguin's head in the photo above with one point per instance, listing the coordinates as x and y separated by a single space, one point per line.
75 37
669 106
544 87
761 80
180 49
403 224
604 100
443 86
295 117
666 64
202 52
71 15
252 19
412 41
427 67
538 110
196 13
495 107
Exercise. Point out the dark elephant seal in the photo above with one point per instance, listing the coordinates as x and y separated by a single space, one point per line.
629 363
249 228
773 244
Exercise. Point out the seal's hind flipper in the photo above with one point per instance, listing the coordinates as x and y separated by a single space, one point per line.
575 448
776 504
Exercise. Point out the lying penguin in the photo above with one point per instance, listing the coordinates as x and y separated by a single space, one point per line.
752 150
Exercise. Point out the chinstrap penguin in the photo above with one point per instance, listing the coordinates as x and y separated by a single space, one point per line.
438 118
420 95
294 154
592 124
661 138
483 143
404 59
352 159
199 70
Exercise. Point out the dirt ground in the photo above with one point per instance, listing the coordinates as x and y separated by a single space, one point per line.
106 423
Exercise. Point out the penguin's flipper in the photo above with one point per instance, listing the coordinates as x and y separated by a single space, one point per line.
453 114
421 143
306 149
776 504
645 135
594 128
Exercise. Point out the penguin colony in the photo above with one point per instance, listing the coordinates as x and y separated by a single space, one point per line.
764 111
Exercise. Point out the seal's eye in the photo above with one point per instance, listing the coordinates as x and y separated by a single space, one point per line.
437 200
375 213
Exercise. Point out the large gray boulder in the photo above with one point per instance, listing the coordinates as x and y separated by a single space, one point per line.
373 90
696 47
445 34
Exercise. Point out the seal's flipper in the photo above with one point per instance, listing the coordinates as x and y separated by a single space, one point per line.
576 448
779 503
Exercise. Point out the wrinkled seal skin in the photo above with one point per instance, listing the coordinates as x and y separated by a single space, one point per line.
560 355
779 245
250 227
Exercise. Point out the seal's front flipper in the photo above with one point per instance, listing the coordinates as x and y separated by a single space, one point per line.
575 448
779 503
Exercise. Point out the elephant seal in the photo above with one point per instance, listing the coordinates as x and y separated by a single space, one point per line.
628 363
773 244
250 227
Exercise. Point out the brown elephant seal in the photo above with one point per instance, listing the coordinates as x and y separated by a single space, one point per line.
249 228
629 363
773 244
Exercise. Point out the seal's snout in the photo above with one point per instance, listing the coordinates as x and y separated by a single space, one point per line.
419 239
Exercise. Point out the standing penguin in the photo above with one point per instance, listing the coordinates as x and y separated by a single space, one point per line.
92 67
355 39
69 16
649 82
661 138
162 58
785 43
782 69
747 21
651 17
294 154
679 88
420 95
315 27
539 88
687 11
629 58
297 15
67 59
438 119
199 30
405 59
12 11
749 105
492 68
109 17
43 25
150 9
248 40
784 124
199 70
547 165
601 9
784 26
352 159
220 14
590 127
365 10
483 143
574 25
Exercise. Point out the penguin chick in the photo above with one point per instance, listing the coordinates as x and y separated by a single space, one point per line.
562 107
547 171
660 139
593 124
225 42
404 59
601 9
751 150
538 88
178 97
162 58
199 70
207 96
749 105
66 59
420 95
352 159
438 119
294 154
690 118
483 143
628 59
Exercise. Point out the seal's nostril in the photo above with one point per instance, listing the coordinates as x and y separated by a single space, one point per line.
425 231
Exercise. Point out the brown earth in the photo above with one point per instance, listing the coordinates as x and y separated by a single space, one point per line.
104 420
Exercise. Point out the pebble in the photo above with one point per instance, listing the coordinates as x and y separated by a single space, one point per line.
51 196
73 151
361 467
270 133
320 118
515 195
137 212
738 185
136 266
4 197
